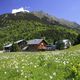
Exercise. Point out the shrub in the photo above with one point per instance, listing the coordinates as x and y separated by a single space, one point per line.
15 47
60 45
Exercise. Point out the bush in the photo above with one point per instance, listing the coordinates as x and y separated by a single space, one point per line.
15 48
74 72
60 45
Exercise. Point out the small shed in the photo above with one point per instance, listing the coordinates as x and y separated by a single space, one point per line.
21 44
7 48
63 44
36 45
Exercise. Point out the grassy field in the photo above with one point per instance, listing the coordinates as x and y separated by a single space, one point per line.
49 65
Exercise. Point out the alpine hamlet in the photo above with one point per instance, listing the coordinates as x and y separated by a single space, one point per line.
37 45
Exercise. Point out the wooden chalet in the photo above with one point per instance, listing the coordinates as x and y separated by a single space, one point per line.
21 44
36 45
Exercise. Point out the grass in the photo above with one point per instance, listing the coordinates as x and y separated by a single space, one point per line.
74 48
49 65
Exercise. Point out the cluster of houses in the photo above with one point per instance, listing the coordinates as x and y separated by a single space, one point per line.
34 45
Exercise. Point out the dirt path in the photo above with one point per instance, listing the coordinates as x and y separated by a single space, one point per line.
1 51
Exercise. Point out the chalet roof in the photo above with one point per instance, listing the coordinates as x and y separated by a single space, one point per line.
34 41
9 45
19 41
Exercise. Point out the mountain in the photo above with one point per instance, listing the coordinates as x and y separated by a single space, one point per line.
54 19
23 25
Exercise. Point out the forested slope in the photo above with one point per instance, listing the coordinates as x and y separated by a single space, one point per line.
29 26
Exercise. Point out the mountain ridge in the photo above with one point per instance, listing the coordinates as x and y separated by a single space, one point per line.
53 19
59 20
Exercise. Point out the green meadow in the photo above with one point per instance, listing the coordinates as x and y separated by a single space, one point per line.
46 65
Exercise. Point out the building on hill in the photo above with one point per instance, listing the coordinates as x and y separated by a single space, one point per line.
31 45
7 48
21 44
36 45
63 44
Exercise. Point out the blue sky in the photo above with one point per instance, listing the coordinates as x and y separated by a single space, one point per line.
67 9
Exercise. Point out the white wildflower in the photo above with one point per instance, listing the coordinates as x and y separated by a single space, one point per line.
22 73
51 77
64 62
17 70
45 64
35 66
21 70
25 76
14 61
5 72
22 60
56 58
67 62
54 73
16 66
31 62
22 66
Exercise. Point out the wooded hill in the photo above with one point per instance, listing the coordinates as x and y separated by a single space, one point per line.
32 25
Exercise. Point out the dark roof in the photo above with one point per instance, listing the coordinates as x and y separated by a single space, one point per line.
34 41
9 45
51 45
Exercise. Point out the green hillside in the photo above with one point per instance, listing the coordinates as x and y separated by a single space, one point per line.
74 48
35 25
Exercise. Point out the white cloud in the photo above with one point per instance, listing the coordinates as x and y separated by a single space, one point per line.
19 10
